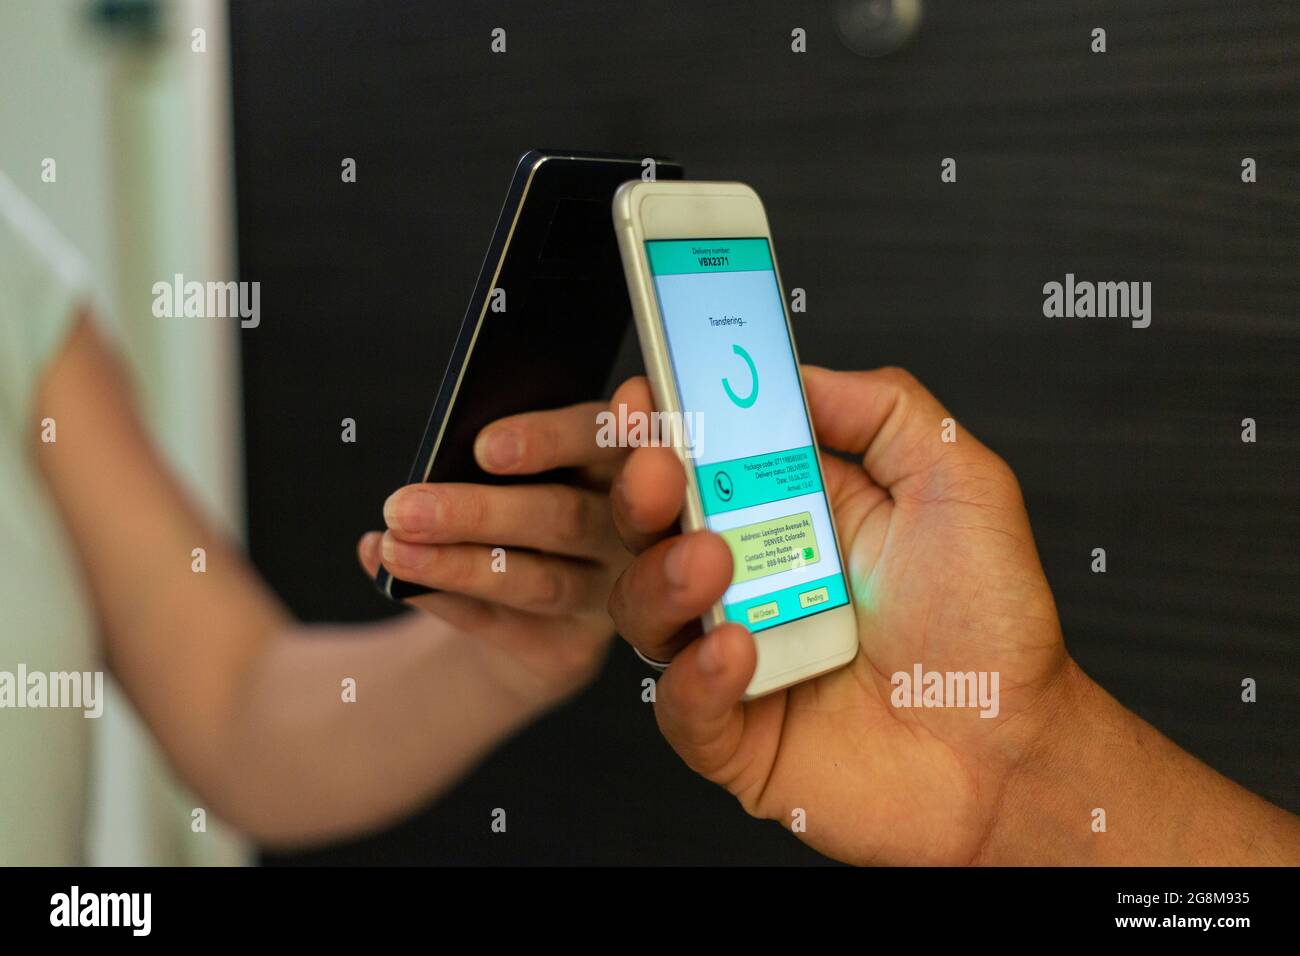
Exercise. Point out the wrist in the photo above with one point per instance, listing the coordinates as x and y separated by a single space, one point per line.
531 686
1047 810
500 680
1101 786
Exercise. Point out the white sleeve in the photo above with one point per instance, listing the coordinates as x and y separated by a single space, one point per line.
43 285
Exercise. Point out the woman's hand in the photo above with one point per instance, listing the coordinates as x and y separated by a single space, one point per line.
525 569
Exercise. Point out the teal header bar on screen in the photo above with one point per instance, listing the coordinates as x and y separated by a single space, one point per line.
687 256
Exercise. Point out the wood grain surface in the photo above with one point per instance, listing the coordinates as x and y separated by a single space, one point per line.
1123 166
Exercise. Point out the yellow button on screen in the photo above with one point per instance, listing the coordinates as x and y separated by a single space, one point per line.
809 598
763 612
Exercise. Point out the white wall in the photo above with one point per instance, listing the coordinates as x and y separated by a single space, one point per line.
141 138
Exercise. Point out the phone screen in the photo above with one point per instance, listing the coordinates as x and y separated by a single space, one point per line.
746 428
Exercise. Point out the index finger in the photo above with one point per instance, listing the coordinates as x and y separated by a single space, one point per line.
534 442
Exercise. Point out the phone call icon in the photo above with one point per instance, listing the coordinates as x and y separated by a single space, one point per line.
723 486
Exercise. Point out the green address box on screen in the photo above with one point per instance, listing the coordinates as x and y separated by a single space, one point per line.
759 479
670 257
771 546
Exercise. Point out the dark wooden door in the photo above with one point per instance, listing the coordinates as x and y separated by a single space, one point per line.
1122 166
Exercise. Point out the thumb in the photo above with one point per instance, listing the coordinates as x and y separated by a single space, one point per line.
898 427
698 704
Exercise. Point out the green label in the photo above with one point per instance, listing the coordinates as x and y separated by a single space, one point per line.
771 546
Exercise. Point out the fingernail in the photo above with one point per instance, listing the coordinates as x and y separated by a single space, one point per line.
709 658
618 492
675 569
413 509
392 516
499 449
403 553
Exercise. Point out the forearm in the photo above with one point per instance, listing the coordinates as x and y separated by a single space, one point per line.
305 762
1161 805
249 706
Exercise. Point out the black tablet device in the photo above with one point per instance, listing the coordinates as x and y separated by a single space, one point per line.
547 317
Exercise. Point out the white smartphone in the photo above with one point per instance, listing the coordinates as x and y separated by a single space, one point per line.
711 315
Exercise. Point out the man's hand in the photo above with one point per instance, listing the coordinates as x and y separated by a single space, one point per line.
542 620
944 572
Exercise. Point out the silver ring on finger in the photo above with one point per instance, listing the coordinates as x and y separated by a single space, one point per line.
657 665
